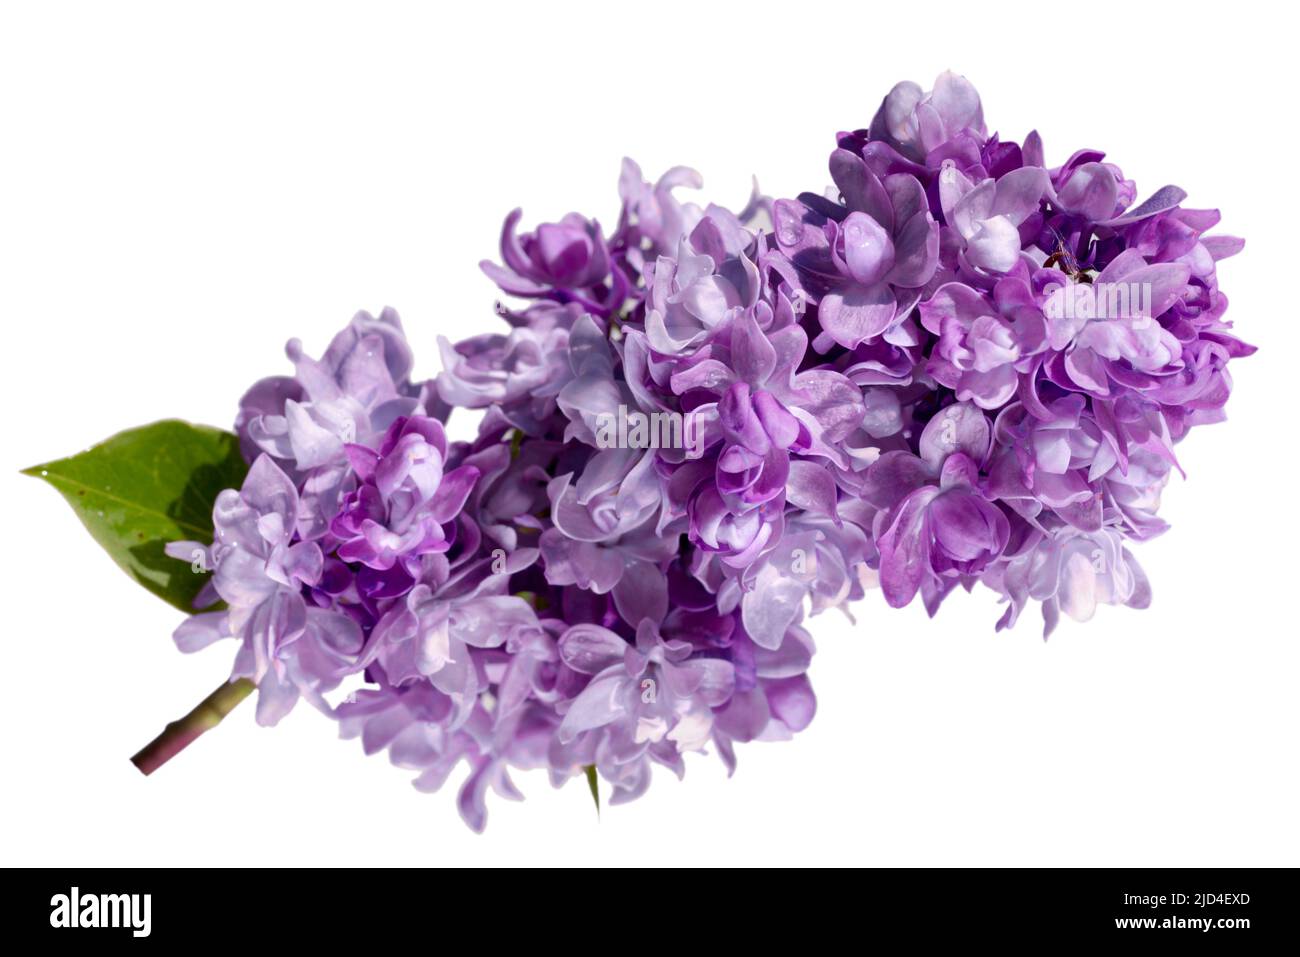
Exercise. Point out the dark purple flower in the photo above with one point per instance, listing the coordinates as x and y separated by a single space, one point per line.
568 261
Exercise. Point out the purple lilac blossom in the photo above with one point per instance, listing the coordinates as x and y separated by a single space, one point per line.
958 366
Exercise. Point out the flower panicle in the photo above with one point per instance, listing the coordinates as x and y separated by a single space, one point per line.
959 366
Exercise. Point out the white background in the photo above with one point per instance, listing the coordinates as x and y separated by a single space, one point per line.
184 189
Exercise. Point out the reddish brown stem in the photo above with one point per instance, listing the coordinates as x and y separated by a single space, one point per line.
179 735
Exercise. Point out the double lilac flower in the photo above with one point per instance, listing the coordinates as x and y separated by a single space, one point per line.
568 261
959 366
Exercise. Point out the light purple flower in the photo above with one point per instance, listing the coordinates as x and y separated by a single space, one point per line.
1072 572
916 122
651 695
1111 323
985 343
863 262
987 216
287 647
404 503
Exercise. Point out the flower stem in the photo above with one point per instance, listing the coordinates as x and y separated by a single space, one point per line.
178 735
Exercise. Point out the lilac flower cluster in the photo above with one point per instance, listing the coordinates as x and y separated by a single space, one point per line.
958 366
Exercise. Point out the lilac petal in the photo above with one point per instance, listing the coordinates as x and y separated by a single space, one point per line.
362 459
954 301
884 412
709 299
897 107
589 397
792 658
363 372
791 344
994 245
489 621
471 800
857 314
752 355
641 593
811 487
271 494
600 703
772 476
908 199
1122 266
275 698
1019 193
574 519
746 716
713 680
185 551
860 189
772 606
957 102
269 433
781 427
868 250
742 426
960 427
313 444
604 472
299 564
792 701
1165 198
565 251
708 374
1167 283
584 564
903 561
916 252
510 282
973 208
452 492
336 631
590 649
1221 247
1032 151
199 631
967 527
1088 371
1058 491
1085 515
801 240
1090 192
241 579
894 476
953 187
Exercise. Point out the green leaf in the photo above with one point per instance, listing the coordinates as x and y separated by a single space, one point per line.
592 783
146 487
